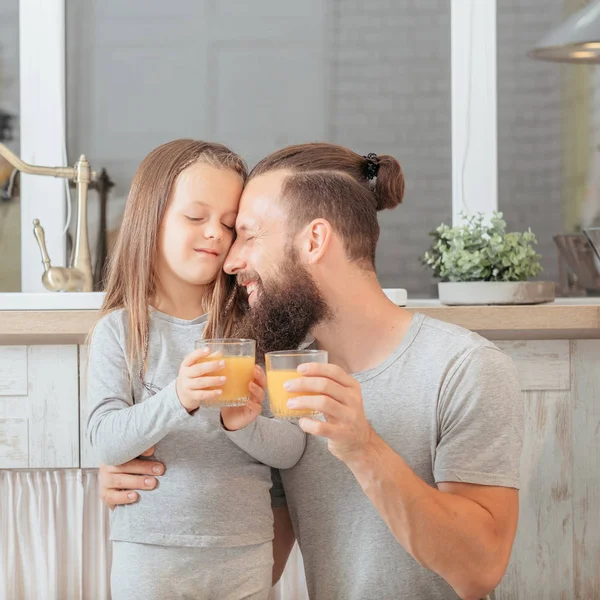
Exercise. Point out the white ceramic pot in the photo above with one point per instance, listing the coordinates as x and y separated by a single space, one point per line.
462 293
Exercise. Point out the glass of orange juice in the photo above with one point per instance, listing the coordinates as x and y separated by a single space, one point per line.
281 367
239 357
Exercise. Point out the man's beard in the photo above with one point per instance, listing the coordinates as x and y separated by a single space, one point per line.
285 310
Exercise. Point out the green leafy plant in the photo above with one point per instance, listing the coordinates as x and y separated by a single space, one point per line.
476 251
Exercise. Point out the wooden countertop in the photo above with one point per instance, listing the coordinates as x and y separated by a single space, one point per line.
548 321
45 326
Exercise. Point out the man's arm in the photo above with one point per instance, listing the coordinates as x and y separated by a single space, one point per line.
461 531
118 483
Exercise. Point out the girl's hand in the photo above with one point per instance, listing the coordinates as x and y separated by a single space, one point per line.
192 381
238 417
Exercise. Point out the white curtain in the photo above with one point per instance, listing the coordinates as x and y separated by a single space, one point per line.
53 536
54 539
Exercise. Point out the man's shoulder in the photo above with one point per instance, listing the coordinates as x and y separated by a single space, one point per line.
449 348
462 354
451 338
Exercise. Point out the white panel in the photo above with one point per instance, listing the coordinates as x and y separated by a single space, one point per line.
541 565
474 114
542 365
87 453
586 468
14 407
13 371
53 407
13 444
42 121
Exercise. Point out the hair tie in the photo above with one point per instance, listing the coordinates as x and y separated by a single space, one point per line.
372 165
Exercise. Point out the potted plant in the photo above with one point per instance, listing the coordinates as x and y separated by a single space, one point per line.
480 263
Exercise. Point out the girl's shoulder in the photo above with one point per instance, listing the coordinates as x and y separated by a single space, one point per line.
112 325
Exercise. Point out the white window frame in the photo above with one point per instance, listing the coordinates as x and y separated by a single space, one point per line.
474 108
42 132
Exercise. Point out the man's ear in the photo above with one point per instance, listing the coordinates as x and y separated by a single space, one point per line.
316 238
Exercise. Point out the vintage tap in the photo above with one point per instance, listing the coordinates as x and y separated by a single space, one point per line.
78 276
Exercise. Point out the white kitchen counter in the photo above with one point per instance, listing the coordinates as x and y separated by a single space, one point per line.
51 301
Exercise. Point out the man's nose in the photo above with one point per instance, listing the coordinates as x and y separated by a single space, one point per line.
234 262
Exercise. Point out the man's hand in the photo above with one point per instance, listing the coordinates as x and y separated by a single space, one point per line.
117 483
238 417
339 398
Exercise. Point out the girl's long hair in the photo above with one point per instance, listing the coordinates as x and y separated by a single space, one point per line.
131 277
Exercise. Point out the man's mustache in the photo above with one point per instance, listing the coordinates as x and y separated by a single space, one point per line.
244 277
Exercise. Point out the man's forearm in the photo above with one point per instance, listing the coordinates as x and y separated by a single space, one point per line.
451 535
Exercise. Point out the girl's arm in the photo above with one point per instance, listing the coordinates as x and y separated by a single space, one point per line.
279 444
118 429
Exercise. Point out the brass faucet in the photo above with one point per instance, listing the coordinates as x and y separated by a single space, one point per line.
78 276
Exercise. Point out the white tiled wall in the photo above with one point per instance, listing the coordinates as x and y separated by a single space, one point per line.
391 95
529 125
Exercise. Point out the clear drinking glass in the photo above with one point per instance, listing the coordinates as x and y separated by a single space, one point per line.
239 357
281 367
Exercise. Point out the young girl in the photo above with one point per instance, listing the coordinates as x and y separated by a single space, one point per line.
206 531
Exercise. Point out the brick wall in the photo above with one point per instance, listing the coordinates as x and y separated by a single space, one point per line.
391 94
529 125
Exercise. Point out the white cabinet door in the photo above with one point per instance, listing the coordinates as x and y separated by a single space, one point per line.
39 407
88 456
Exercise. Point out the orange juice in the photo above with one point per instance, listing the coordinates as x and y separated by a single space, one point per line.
278 396
239 371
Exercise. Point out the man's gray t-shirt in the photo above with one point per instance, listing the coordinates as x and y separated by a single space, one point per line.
448 402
